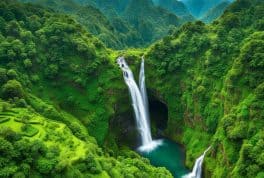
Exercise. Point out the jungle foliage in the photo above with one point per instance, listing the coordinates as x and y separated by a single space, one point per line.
216 72
60 88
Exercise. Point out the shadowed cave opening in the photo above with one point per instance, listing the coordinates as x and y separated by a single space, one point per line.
158 114
123 125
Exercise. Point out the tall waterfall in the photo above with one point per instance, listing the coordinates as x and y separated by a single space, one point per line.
197 169
139 103
142 87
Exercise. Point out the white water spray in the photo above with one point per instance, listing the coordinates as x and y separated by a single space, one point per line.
139 105
197 169
142 86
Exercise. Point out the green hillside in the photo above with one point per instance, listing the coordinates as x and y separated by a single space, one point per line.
176 7
211 77
198 8
41 133
111 21
65 110
215 12
116 34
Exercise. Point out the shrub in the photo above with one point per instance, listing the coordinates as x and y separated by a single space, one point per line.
3 75
93 165
35 78
45 166
28 130
12 74
19 175
12 89
239 131
20 102
231 21
51 71
27 63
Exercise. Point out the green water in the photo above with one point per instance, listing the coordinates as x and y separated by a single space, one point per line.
169 155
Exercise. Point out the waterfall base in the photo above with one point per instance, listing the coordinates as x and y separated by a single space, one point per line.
151 146
170 155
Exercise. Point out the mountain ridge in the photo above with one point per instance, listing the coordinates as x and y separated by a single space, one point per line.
198 8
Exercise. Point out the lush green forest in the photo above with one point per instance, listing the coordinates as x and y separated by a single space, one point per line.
215 12
119 25
199 8
216 73
65 110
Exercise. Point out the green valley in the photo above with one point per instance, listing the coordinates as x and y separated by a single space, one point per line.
65 109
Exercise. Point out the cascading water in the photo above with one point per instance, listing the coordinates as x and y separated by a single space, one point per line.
139 105
197 169
142 87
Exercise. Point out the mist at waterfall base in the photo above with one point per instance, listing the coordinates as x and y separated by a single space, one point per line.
140 106
163 152
169 155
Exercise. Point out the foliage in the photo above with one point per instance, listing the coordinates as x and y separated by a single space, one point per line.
12 89
216 72
114 25
60 86
52 90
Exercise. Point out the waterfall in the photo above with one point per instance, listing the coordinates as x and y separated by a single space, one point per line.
142 87
197 169
139 100
137 103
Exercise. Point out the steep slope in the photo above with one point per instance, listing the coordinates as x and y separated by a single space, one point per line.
215 12
59 85
33 145
107 6
198 8
176 7
211 79
52 89
151 22
115 27
117 34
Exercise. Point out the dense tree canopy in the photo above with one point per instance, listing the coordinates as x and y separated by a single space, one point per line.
62 95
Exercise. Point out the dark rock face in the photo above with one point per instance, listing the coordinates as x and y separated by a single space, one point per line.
123 125
158 114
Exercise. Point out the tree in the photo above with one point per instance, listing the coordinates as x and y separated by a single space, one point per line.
45 165
12 74
12 89
3 76
51 71
27 63
13 29
2 24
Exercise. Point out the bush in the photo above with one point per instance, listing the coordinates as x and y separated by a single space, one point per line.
45 166
20 102
27 63
12 74
12 89
51 71
35 78
29 130
239 131
93 165
19 175
3 75
231 21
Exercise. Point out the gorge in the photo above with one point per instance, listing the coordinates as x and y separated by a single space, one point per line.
65 108
160 152
140 105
